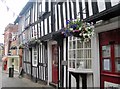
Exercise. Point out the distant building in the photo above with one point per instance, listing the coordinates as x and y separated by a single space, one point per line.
11 47
1 51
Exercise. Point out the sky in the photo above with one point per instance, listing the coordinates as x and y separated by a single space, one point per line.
9 15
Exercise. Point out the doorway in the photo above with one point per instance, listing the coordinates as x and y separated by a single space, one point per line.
54 64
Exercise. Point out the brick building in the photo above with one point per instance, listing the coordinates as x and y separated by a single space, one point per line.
11 47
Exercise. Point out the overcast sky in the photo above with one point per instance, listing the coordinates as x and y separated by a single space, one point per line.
7 16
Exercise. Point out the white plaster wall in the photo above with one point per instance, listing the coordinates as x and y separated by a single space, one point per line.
95 61
64 41
90 80
73 81
49 45
107 25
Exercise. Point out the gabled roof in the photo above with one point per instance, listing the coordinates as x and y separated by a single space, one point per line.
27 6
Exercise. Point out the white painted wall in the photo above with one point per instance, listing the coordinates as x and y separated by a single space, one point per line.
95 61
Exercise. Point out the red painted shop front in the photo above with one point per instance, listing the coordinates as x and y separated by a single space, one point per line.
110 58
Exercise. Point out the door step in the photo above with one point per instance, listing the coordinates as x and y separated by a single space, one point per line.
53 84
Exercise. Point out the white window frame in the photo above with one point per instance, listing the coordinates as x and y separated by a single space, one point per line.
79 62
34 56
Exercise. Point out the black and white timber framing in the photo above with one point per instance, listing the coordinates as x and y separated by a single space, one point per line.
43 21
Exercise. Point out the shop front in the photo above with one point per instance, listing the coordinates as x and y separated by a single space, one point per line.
110 58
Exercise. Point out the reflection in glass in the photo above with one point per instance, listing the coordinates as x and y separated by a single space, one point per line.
80 64
106 64
74 44
70 54
117 50
87 53
106 51
70 45
79 44
88 45
74 54
117 64
79 53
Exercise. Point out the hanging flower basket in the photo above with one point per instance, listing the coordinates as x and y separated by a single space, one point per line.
75 33
80 29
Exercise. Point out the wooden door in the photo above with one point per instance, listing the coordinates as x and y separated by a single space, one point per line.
110 58
54 64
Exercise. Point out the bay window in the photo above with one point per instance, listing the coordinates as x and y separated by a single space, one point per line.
79 53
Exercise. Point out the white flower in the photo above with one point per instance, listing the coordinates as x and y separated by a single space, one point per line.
71 29
86 39
80 28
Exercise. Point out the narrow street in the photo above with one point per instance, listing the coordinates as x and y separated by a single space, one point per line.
5 81
0 75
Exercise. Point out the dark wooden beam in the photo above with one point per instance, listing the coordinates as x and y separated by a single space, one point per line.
57 16
95 7
70 9
86 8
81 10
61 12
108 4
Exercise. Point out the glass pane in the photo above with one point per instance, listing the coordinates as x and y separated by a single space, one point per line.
74 38
117 50
106 64
106 51
80 64
74 54
70 38
88 45
87 53
79 44
70 45
74 44
73 64
70 63
70 54
117 64
80 54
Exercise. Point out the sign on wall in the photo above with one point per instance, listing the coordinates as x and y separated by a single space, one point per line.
109 85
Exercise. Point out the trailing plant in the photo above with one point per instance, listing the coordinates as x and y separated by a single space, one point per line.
79 28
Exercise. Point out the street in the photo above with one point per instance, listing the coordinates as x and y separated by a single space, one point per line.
5 81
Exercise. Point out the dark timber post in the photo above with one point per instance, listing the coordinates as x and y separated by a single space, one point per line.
77 81
84 81
69 80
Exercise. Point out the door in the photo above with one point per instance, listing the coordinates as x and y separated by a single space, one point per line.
54 64
110 58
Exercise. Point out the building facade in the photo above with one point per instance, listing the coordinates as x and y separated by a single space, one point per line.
11 48
51 57
1 51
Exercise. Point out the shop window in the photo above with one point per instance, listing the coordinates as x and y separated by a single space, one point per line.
79 53
106 64
106 58
35 57
106 51
117 57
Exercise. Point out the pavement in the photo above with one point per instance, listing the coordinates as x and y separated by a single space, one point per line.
6 81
